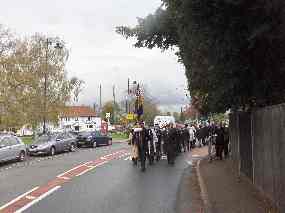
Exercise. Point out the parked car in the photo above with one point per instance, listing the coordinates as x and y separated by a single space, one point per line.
11 147
93 139
52 144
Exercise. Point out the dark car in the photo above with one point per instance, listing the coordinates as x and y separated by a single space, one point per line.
52 144
93 139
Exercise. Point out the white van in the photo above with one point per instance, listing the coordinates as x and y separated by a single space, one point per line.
163 120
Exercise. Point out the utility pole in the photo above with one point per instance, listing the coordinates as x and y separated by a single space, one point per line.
100 100
114 112
45 86
128 95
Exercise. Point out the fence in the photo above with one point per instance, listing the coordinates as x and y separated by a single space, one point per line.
258 149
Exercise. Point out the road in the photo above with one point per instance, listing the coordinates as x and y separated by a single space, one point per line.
92 180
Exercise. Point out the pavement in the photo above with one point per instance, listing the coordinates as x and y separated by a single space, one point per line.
223 192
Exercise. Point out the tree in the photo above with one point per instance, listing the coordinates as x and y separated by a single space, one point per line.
176 116
77 87
150 110
110 107
232 50
182 117
24 66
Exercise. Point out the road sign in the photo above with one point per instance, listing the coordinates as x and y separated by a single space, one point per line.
108 115
130 116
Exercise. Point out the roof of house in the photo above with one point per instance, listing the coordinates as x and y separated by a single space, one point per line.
78 111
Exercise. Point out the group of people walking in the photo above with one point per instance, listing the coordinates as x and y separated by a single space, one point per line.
153 143
216 136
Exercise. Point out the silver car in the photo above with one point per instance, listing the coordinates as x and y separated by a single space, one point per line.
52 144
11 147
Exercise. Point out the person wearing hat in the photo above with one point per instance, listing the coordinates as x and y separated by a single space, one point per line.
132 142
143 145
159 142
170 143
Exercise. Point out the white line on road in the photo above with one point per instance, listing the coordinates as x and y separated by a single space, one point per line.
64 178
29 197
100 164
87 170
37 200
128 158
123 155
88 163
62 174
18 198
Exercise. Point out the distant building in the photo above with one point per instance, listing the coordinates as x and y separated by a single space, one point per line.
79 118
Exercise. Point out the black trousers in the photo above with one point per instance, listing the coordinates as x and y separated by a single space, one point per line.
171 154
219 151
158 150
226 150
188 145
142 156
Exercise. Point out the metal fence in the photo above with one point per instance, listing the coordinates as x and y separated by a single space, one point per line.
258 149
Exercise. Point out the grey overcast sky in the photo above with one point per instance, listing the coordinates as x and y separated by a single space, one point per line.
97 53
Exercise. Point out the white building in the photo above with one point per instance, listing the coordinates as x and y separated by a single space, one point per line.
79 118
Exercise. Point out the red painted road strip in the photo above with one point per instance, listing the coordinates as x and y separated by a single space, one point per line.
28 199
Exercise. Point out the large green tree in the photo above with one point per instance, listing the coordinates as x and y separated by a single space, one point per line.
232 51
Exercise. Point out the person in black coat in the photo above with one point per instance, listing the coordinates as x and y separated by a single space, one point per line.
171 143
186 138
143 145
220 141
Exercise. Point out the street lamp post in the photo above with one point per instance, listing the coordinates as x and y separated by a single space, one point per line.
58 45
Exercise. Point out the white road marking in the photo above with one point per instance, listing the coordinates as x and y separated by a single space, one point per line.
123 155
195 156
87 170
29 197
65 178
85 164
128 158
18 198
100 164
37 199
62 174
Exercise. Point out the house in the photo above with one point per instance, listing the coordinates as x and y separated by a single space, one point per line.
79 118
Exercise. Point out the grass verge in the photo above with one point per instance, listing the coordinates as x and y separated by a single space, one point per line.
27 139
119 136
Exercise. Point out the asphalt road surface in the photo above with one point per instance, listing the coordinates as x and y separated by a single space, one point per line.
99 180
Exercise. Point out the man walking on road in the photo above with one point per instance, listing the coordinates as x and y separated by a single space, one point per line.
158 144
171 139
143 145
